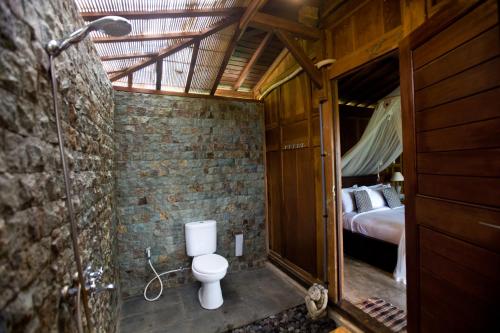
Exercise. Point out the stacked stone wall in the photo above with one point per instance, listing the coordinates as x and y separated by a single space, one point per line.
180 160
36 256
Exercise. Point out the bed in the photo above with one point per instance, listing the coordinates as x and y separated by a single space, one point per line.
373 236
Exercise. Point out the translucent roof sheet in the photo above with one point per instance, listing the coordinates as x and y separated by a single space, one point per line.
119 55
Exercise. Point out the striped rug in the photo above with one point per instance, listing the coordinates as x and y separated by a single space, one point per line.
385 312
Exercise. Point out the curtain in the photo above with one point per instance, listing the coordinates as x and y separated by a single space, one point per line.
381 142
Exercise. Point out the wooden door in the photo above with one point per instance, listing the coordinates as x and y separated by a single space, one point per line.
450 89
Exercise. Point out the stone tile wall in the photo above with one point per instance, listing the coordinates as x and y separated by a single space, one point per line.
180 160
36 256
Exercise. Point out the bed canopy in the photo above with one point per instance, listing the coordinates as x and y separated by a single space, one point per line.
381 142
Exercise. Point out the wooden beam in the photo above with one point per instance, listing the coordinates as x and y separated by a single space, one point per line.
148 37
301 57
219 94
165 52
251 10
159 73
130 80
252 61
227 55
194 56
129 56
269 22
170 13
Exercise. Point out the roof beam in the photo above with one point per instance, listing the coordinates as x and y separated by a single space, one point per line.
129 56
300 56
148 37
159 73
194 56
269 22
159 14
252 8
252 61
165 52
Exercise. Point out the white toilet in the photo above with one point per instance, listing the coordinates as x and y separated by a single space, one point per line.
208 268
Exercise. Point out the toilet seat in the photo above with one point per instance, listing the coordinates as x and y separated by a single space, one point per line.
210 264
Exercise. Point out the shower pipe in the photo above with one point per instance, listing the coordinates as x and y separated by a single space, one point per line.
114 26
323 197
69 202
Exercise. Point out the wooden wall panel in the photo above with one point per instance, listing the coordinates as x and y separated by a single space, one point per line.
271 107
368 23
465 29
342 40
485 106
295 97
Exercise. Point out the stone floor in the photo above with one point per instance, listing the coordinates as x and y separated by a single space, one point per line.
362 281
248 296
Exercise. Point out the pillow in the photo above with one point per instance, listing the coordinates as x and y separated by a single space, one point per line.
376 197
363 201
348 204
392 197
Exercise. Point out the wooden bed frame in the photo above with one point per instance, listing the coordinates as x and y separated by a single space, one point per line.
375 252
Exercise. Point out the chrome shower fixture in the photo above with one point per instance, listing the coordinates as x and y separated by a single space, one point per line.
111 25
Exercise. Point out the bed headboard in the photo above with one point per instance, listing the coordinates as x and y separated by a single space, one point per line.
359 180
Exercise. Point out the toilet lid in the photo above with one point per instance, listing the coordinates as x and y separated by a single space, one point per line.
210 263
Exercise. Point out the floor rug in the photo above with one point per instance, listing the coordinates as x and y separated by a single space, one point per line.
385 312
292 320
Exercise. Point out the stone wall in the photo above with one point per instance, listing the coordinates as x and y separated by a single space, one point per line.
180 160
36 256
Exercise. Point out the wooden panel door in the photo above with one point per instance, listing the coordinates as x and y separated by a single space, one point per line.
299 225
450 89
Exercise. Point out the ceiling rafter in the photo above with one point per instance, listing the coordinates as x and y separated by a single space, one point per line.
268 22
194 56
129 56
167 51
171 13
253 7
300 56
148 37
252 61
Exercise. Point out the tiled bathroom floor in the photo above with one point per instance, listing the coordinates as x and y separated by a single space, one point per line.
248 296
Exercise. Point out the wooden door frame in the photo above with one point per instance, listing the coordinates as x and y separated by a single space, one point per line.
331 130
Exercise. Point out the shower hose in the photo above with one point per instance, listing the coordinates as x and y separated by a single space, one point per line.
157 277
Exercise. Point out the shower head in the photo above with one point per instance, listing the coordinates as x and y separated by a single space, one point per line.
110 25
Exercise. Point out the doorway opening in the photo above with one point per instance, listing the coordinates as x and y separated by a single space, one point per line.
370 131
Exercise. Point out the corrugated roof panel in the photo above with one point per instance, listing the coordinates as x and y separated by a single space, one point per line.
151 5
210 57
176 69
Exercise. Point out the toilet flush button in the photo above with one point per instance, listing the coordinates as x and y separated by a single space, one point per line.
238 245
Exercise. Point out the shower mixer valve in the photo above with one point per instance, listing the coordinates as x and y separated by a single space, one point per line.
92 283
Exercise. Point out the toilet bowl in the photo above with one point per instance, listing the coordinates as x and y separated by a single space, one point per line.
207 267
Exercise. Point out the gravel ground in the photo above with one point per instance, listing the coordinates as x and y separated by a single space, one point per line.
293 320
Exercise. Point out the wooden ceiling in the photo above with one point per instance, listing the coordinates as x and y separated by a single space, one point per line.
371 83
197 47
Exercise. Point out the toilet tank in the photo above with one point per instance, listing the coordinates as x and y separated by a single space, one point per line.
201 237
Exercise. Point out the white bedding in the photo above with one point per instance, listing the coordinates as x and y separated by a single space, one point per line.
383 223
